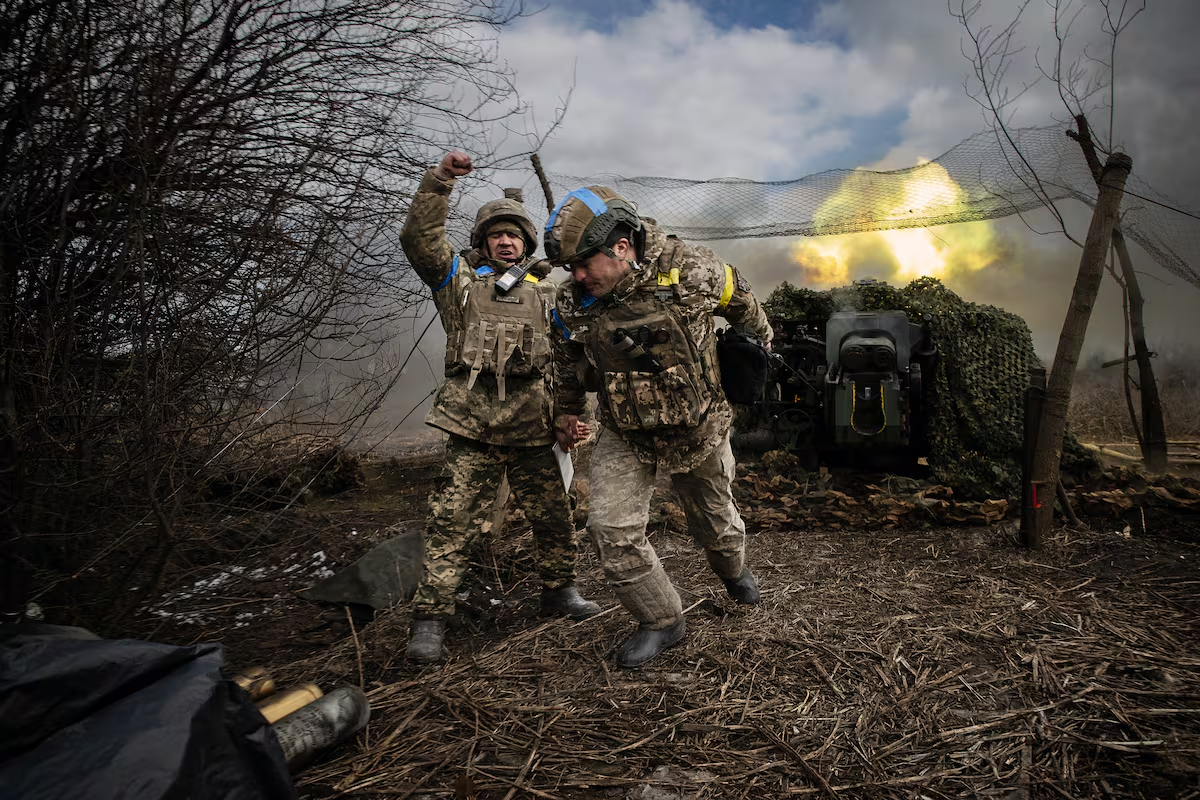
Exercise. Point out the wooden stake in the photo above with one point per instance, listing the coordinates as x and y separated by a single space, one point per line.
546 190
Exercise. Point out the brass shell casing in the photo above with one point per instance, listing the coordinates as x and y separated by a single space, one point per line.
279 706
256 681
248 676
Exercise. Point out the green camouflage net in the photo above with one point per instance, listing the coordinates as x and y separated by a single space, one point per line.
976 396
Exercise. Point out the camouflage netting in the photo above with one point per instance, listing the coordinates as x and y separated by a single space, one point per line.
982 177
977 392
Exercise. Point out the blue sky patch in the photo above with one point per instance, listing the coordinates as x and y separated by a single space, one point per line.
603 16
874 137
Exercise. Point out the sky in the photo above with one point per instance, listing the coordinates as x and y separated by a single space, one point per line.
776 90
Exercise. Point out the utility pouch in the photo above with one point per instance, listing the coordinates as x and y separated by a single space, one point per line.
647 400
503 334
652 375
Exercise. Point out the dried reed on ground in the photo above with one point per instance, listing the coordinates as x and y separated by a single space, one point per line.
1099 411
940 663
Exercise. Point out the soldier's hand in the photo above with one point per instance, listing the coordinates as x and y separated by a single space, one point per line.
567 432
454 164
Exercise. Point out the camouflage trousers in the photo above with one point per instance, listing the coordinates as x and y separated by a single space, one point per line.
620 487
462 510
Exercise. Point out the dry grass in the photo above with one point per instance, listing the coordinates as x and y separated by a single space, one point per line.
935 663
925 661
1099 411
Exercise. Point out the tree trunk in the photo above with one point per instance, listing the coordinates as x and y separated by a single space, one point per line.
1126 381
1153 436
1154 433
1070 341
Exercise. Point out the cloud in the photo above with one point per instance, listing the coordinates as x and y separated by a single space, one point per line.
1157 97
661 90
669 94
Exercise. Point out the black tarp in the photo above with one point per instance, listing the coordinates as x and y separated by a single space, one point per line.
96 718
387 575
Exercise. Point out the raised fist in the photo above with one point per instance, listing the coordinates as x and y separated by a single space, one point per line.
454 164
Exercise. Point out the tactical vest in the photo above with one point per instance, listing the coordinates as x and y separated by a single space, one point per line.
652 372
502 334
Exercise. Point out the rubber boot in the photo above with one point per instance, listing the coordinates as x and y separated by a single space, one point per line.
653 602
733 572
425 640
567 601
646 643
743 589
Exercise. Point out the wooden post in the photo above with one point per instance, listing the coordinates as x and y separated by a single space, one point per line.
1066 358
1035 397
546 190
1065 502
1153 436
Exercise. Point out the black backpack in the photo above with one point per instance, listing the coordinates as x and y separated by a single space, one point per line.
745 366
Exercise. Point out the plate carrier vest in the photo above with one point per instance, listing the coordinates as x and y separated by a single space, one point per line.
651 371
502 334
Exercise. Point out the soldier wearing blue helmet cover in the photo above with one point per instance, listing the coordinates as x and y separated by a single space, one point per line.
637 320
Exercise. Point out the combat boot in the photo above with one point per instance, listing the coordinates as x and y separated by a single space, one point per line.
425 640
743 589
645 644
568 602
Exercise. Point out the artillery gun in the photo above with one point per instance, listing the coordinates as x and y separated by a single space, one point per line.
849 390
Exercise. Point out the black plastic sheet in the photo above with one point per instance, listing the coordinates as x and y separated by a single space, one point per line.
98 718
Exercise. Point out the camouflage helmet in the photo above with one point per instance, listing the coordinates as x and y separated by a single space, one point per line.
508 210
582 222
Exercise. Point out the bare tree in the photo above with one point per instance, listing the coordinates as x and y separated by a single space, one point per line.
1084 83
197 210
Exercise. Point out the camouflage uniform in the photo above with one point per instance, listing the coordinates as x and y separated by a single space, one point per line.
695 285
487 435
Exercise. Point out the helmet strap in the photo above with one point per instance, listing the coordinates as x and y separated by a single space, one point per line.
608 251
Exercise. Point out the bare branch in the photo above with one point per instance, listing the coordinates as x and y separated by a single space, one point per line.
991 55
1114 26
198 255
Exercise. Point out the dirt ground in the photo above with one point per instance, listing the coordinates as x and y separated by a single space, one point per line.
906 647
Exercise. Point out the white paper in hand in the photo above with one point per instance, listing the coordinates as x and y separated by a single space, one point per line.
565 466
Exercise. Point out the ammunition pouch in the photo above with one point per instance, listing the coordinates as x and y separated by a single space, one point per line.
652 373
